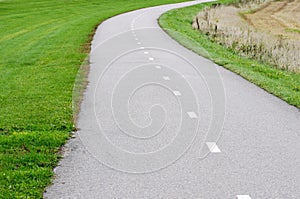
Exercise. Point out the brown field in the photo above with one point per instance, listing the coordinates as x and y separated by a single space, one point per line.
278 18
269 31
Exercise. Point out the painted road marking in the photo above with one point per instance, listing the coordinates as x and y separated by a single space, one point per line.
151 58
243 196
146 53
166 78
158 67
139 43
213 147
192 115
177 93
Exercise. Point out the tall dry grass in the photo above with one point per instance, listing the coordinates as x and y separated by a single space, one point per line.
236 34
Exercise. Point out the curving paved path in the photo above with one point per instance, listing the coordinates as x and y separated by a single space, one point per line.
159 121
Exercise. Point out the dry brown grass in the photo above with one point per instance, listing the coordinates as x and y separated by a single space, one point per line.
277 18
238 28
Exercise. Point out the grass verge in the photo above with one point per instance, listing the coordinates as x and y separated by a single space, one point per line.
26 162
43 44
281 83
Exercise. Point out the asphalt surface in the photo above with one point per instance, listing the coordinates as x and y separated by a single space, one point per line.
159 121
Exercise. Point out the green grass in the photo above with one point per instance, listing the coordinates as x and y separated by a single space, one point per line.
292 30
43 43
26 162
281 83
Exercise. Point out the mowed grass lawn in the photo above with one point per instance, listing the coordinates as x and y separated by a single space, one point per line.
42 45
282 83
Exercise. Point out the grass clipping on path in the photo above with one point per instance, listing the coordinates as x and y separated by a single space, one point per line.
178 24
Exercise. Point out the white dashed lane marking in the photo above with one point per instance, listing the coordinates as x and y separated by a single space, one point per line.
243 197
146 53
166 78
192 115
213 147
157 67
151 58
177 93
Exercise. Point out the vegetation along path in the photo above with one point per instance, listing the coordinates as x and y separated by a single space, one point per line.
160 121
42 45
